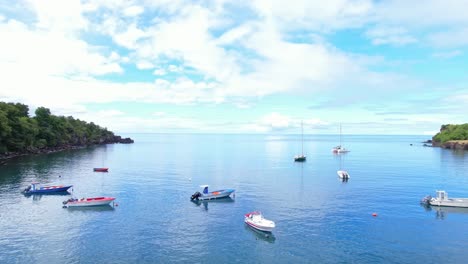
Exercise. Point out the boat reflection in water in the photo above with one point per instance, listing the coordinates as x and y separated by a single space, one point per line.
266 236
38 197
216 201
101 208
442 212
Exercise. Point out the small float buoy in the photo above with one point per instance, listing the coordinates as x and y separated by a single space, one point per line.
116 204
374 214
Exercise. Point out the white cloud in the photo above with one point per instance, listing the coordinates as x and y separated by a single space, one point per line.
51 53
451 38
447 54
390 35
132 11
159 72
144 65
275 121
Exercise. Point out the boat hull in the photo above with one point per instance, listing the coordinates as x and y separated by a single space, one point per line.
49 189
85 202
300 159
216 194
343 174
101 169
259 227
452 202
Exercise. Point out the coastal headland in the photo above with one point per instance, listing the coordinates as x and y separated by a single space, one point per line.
22 135
452 137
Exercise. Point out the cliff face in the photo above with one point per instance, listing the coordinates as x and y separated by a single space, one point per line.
452 144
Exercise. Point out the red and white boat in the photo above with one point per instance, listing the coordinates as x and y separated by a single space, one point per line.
94 201
257 221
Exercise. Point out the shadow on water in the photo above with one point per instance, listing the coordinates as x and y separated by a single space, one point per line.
442 212
100 208
37 197
265 236
215 201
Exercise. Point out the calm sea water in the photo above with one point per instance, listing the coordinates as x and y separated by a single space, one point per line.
319 219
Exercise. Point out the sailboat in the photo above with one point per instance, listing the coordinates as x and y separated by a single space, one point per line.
339 148
301 158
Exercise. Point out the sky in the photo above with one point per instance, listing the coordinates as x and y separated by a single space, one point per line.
176 66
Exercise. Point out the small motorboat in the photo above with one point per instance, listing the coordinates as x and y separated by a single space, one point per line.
206 195
343 174
36 188
101 169
257 221
339 149
442 199
95 201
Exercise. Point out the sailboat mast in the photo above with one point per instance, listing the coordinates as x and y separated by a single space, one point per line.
302 138
340 134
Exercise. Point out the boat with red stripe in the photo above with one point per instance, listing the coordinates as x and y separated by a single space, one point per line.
93 201
257 221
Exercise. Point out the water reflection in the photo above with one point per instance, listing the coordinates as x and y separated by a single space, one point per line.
206 202
266 236
100 208
443 212
38 197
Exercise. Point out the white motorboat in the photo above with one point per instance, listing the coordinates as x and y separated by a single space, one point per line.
343 174
257 221
442 199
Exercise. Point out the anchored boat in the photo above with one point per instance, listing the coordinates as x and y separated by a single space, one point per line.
94 201
257 221
343 174
101 169
36 188
206 195
442 199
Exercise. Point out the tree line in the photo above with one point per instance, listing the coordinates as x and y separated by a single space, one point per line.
21 133
451 132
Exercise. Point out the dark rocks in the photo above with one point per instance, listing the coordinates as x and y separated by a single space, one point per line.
119 139
456 145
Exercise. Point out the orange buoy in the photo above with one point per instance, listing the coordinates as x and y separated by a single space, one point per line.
374 214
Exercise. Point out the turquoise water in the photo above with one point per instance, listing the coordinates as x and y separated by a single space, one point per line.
319 219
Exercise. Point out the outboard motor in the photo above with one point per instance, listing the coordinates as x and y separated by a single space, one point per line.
27 189
195 196
426 200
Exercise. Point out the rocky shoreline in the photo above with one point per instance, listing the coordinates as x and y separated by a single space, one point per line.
452 144
113 140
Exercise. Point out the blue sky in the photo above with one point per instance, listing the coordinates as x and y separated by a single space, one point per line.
377 67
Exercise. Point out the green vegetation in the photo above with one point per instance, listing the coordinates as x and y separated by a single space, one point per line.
21 133
451 132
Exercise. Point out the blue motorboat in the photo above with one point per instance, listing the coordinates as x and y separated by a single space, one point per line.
36 188
207 195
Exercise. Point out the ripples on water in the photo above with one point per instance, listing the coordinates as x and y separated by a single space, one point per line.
319 219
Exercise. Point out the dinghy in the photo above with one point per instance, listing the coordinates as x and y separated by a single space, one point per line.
101 169
94 201
257 221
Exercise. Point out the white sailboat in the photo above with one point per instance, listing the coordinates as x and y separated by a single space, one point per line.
340 148
302 157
